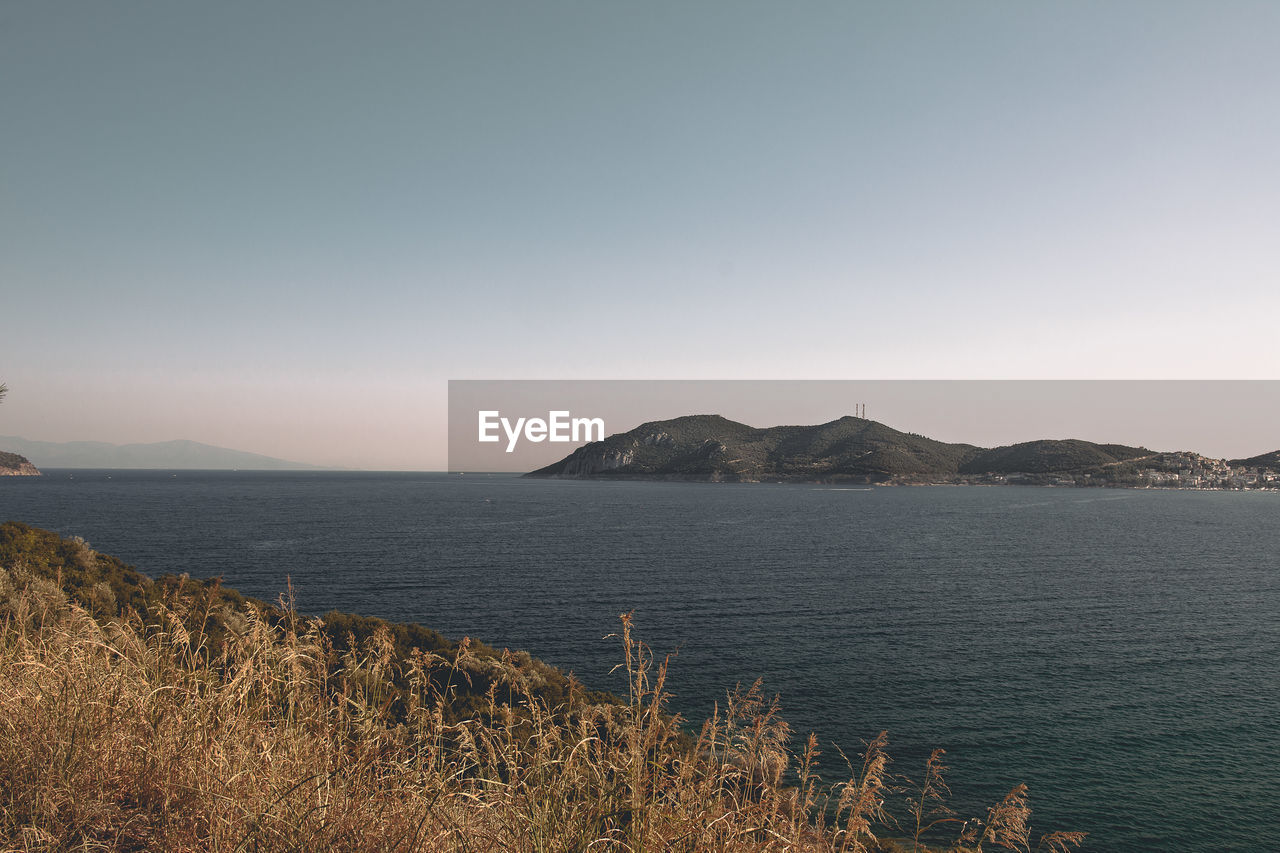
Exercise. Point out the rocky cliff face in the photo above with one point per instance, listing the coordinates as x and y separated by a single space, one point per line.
13 465
676 453
593 459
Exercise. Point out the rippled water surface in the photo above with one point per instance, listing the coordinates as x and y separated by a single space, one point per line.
1116 650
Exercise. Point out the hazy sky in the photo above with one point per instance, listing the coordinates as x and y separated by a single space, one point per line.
281 227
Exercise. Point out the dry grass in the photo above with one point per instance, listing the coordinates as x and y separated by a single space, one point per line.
137 733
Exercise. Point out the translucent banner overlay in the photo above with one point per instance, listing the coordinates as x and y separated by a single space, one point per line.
522 425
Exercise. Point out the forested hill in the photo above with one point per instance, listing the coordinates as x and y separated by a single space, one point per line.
713 448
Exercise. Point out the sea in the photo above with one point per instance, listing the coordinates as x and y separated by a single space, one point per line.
1116 650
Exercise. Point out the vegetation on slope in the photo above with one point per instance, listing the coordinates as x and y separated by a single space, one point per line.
715 448
13 463
709 447
1263 460
107 588
1050 456
178 715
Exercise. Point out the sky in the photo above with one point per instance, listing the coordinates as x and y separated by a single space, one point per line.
283 227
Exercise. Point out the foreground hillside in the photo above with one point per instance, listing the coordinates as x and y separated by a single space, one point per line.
713 448
178 715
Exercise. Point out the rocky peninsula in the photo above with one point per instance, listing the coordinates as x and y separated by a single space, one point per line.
711 448
13 465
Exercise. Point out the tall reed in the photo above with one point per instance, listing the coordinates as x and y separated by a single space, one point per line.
196 726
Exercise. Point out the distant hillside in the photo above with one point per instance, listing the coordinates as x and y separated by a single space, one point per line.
13 465
1266 460
164 454
1048 456
710 447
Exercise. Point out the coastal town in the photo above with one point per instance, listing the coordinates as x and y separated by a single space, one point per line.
1177 470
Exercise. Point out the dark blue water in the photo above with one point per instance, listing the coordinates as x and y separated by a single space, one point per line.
1118 651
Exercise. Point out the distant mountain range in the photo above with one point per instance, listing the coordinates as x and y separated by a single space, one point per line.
713 448
163 454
